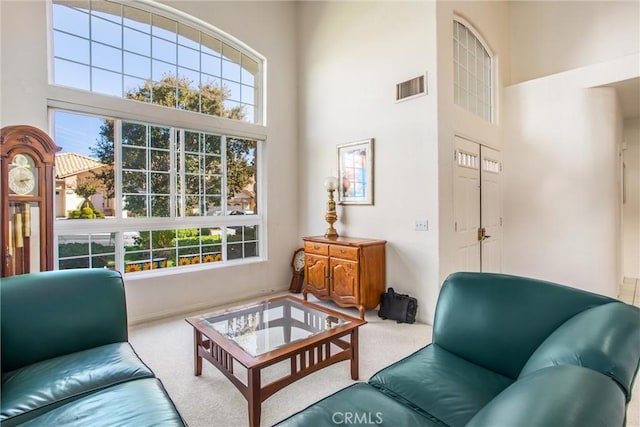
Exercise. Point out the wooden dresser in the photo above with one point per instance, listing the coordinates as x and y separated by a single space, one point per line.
350 271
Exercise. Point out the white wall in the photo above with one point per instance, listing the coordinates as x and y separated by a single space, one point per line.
631 209
562 173
351 55
269 28
548 37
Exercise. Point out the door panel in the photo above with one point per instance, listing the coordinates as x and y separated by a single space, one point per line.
466 189
344 280
491 210
317 272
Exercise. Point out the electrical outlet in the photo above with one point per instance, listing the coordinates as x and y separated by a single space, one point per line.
422 225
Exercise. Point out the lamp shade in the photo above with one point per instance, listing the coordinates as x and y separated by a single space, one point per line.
330 183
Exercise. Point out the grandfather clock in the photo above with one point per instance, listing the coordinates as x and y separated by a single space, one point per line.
26 207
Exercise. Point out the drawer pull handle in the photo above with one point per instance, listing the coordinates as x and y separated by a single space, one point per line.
342 251
316 247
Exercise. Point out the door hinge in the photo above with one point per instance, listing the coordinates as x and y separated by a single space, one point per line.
455 226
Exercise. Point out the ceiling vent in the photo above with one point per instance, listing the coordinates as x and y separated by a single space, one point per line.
411 88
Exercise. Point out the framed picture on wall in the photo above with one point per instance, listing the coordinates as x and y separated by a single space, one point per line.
355 173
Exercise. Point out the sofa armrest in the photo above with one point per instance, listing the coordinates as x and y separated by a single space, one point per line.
557 396
604 338
49 314
497 321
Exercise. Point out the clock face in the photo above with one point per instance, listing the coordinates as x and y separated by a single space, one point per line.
298 261
22 178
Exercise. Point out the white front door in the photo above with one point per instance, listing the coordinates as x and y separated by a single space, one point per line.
466 193
477 207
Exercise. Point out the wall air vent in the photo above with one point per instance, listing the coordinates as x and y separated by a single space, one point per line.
411 88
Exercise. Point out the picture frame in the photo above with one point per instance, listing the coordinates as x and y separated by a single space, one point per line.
355 173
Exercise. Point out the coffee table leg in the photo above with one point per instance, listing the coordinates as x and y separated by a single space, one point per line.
255 402
197 360
354 354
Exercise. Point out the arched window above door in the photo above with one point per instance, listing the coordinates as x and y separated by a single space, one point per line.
472 72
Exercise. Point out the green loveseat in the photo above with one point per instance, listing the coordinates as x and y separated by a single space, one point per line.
65 356
506 351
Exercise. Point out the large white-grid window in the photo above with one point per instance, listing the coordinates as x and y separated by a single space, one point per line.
126 51
472 73
139 191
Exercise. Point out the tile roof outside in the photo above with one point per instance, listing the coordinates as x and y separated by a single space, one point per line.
68 164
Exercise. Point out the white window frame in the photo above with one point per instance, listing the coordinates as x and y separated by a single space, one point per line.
84 102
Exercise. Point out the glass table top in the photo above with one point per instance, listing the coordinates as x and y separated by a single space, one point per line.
273 324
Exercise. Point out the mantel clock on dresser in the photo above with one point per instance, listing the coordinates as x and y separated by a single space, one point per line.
27 157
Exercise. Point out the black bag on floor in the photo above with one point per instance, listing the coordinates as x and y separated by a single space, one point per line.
399 307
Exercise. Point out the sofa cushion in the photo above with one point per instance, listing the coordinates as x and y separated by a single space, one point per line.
33 389
497 321
603 338
440 384
358 404
51 313
139 403
557 396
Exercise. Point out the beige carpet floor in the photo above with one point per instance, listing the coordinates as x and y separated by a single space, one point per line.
211 400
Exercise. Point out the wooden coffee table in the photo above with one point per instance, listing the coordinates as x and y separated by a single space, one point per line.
257 336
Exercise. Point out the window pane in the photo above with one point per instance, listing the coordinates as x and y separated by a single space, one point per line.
107 10
137 65
74 20
212 144
138 19
212 165
230 70
71 47
160 183
162 70
106 57
211 65
160 137
135 205
188 36
241 177
107 82
134 134
106 32
163 50
138 42
134 182
164 27
234 90
211 45
160 206
249 71
72 74
189 58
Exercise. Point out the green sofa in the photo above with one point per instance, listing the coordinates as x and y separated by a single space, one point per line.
65 356
506 351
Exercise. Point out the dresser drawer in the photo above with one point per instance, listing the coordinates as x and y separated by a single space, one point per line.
316 248
344 252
